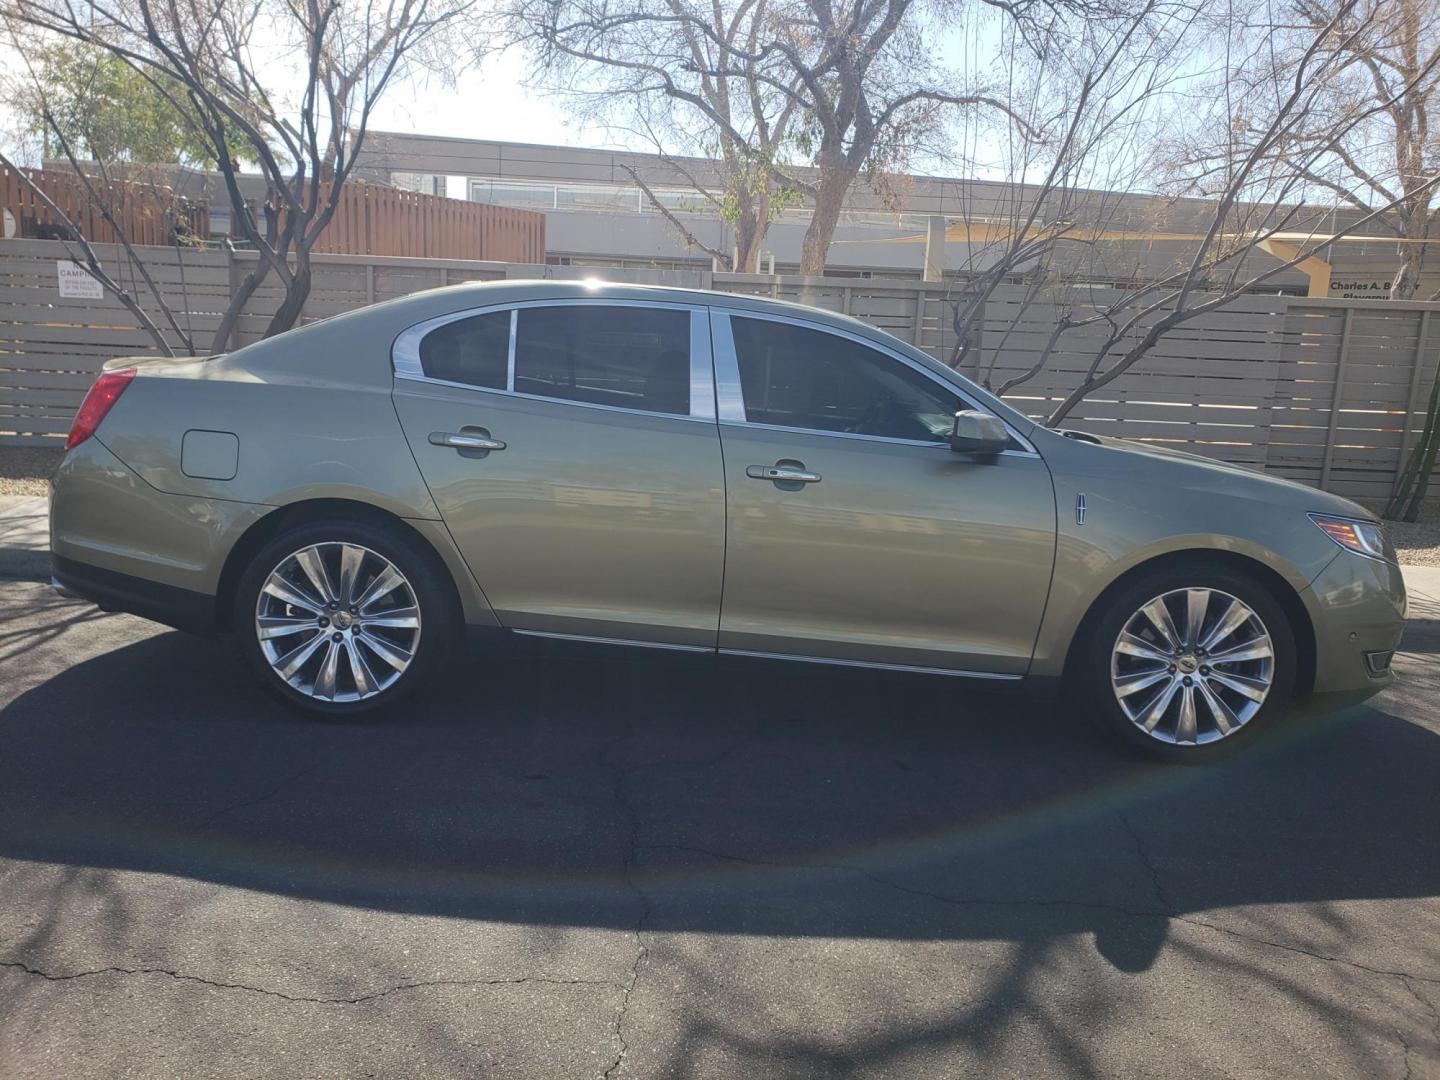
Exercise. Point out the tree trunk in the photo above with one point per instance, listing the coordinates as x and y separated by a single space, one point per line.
248 284
835 180
1414 481
288 313
749 234
747 250
1407 275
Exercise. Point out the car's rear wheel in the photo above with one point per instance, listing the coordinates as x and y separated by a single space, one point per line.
339 618
1189 663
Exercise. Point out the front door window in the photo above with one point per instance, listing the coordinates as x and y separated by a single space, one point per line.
796 377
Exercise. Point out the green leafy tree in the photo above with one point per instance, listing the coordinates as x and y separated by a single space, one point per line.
106 109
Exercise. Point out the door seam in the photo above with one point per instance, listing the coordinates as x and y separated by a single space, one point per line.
439 514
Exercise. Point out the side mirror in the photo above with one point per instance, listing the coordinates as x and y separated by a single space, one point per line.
978 432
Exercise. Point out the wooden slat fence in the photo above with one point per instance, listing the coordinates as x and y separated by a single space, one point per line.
371 220
1255 383
1327 392
148 213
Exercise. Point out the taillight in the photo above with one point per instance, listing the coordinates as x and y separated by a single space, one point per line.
103 394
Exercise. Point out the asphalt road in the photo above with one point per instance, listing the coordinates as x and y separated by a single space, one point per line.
579 862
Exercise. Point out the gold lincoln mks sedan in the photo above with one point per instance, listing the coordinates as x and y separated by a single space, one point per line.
690 470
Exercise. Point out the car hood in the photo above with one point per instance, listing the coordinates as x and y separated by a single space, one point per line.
1198 471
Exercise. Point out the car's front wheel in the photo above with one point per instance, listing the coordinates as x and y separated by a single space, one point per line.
1188 663
339 618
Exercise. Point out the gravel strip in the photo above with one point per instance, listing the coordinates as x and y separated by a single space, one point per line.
1418 543
25 470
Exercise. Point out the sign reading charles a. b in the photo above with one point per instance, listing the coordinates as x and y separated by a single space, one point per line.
1360 288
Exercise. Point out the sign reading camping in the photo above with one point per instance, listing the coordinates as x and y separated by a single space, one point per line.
76 282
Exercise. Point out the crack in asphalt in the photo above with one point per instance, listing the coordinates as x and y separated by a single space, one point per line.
627 806
1400 1033
302 999
1405 1047
633 847
266 796
1084 905
1190 920
642 950
1160 894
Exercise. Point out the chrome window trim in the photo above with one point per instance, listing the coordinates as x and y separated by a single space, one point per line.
916 669
757 654
519 395
405 353
929 444
591 639
702 367
730 398
509 356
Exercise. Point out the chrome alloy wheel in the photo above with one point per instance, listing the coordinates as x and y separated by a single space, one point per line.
337 621
1192 666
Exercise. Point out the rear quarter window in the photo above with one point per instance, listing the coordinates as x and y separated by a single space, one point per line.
474 351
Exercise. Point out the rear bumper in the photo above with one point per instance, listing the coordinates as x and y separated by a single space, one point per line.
128 539
112 590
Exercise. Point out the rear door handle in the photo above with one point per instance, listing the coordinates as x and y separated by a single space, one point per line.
460 441
782 474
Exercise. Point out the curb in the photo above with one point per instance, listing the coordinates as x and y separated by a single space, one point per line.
25 537
24 565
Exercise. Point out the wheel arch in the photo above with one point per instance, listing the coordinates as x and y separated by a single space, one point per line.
1268 577
314 510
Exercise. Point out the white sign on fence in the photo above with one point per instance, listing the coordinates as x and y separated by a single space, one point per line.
76 282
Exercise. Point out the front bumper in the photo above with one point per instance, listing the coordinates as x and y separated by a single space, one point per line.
1357 606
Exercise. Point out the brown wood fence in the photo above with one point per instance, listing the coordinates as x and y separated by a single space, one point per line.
1328 392
148 213
374 220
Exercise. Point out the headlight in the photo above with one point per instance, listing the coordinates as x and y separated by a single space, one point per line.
1361 537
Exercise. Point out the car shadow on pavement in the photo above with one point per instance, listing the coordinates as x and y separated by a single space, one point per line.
687 799
565 785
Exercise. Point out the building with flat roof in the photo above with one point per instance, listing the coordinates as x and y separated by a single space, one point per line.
598 215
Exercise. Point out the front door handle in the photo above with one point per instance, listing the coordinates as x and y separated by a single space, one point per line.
783 473
464 441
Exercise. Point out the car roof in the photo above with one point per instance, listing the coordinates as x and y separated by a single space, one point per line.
478 293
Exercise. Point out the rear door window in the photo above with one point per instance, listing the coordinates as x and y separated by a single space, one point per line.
625 357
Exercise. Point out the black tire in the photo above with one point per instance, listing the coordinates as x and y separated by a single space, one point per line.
1093 670
438 621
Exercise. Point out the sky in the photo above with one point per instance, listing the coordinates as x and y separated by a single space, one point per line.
492 105
493 102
